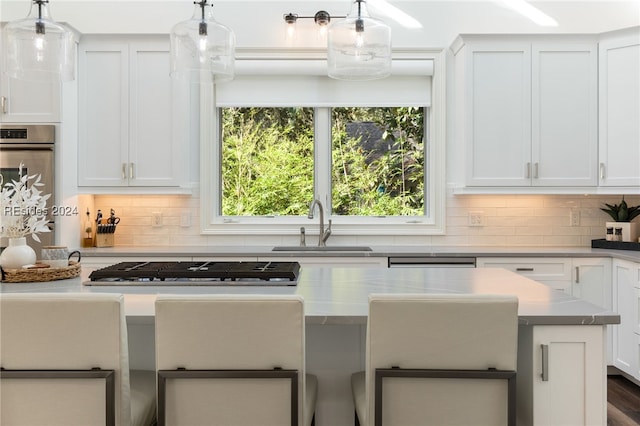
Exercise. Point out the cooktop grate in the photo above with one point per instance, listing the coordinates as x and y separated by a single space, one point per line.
285 273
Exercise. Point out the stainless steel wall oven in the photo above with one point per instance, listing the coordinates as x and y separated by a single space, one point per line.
33 146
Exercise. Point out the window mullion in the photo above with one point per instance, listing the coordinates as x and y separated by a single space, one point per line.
322 156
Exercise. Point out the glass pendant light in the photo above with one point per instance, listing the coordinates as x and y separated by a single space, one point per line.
37 48
202 49
359 47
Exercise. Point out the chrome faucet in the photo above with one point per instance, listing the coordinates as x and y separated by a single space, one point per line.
323 234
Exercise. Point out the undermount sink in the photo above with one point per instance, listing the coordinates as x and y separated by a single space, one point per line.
318 248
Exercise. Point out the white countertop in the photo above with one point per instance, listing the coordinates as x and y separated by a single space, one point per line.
377 251
340 295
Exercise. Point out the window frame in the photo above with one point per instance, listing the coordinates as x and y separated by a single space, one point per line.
211 223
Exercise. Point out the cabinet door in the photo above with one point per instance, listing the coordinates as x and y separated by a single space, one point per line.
153 157
619 110
28 101
566 378
564 114
626 335
498 114
550 271
104 114
591 281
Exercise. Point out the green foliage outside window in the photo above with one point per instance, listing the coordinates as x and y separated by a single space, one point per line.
267 158
378 175
377 161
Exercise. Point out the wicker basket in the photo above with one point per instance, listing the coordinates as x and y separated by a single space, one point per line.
40 274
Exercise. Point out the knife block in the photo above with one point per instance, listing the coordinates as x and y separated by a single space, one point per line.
105 240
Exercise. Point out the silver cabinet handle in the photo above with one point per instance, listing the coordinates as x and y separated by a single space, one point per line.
528 170
3 101
601 170
545 363
535 170
577 275
131 176
524 269
124 171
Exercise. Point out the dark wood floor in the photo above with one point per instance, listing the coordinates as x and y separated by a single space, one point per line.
623 402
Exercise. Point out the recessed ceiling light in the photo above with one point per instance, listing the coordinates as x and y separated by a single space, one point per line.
526 9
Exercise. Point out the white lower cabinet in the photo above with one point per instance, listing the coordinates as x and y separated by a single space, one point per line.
591 281
561 376
551 271
587 278
626 291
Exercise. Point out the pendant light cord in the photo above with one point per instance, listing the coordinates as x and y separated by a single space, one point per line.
202 28
39 23
359 21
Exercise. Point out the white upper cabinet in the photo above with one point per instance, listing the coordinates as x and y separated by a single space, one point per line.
497 113
526 110
23 101
564 113
126 107
619 118
104 114
29 101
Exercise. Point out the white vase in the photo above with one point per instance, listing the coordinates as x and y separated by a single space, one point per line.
17 254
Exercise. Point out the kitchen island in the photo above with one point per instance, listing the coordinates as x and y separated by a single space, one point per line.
573 390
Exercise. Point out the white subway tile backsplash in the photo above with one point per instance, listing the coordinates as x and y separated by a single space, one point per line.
508 220
562 241
532 230
528 202
524 240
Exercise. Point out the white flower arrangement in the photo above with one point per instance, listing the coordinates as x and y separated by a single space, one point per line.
23 207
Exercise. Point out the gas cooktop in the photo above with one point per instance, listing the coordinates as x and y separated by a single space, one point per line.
197 273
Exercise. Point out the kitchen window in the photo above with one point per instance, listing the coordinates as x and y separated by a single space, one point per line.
369 151
376 161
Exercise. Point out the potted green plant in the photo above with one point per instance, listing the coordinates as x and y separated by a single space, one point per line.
623 214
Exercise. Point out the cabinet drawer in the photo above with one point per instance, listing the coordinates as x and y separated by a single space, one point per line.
539 269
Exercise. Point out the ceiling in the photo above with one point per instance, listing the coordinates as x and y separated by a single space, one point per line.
259 23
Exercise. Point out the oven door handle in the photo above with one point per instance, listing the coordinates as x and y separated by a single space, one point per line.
28 146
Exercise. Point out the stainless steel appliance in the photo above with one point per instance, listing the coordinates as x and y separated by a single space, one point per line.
432 262
33 146
197 273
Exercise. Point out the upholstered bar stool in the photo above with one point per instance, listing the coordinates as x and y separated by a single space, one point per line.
438 360
64 361
233 361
